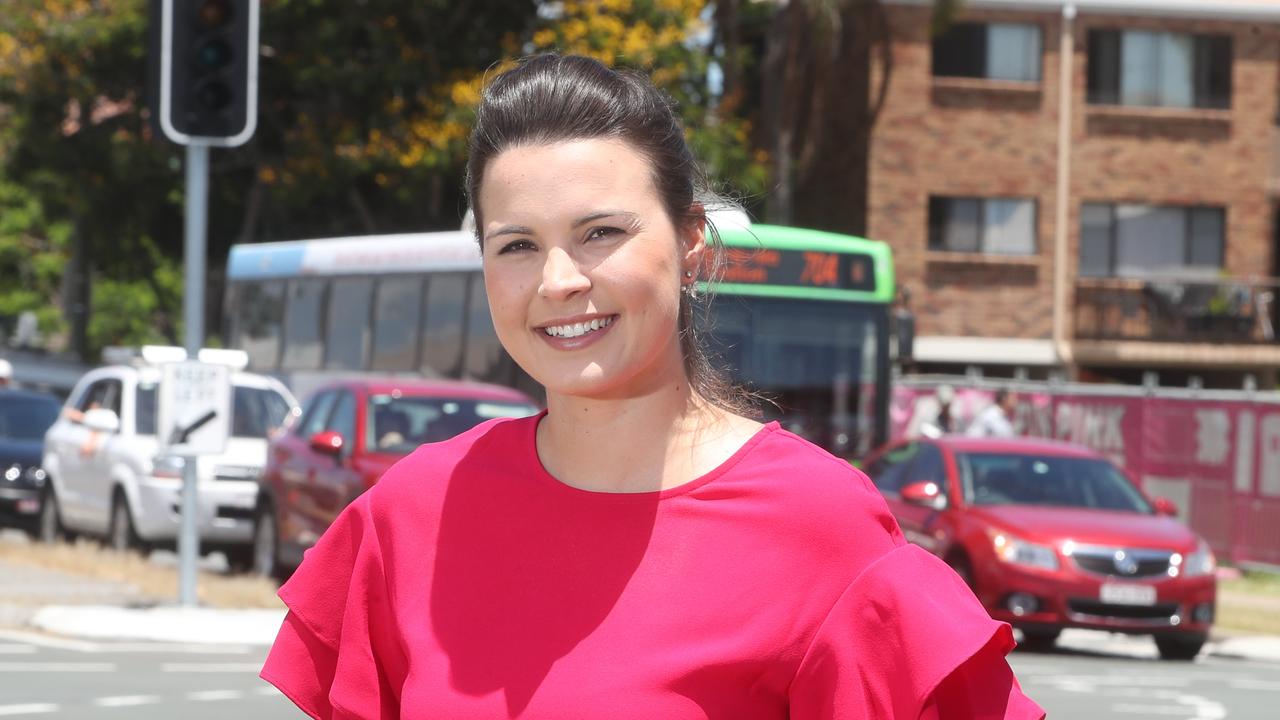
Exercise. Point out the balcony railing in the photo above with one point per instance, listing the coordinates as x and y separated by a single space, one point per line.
1192 311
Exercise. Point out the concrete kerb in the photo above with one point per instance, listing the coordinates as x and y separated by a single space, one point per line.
197 625
211 626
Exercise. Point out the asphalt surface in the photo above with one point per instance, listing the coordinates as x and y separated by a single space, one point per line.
1093 676
1115 681
47 677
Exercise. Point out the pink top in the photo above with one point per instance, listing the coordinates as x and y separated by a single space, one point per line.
470 583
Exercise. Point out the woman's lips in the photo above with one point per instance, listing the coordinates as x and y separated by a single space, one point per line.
576 335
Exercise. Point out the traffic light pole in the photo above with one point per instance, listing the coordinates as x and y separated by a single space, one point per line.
193 319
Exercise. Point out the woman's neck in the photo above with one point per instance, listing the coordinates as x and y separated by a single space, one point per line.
639 444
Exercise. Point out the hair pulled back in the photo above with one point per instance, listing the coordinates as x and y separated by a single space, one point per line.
551 98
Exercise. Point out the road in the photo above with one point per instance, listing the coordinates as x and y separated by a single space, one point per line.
43 677
1094 676
1100 676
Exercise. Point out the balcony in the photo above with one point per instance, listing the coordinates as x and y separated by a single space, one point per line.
1219 312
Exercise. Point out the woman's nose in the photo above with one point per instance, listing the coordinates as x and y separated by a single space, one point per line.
561 276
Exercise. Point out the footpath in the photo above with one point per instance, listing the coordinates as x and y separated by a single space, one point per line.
69 605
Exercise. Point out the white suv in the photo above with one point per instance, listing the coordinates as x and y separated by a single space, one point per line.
108 478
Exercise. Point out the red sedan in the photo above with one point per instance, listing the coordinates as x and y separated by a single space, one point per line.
1051 535
349 433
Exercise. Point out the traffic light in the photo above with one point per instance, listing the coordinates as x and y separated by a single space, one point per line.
207 53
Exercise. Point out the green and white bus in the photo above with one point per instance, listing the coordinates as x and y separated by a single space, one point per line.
800 316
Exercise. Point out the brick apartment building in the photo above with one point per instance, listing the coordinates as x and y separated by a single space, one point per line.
1147 241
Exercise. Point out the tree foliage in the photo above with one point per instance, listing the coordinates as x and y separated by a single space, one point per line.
364 114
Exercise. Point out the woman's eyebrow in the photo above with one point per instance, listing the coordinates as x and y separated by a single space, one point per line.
600 215
510 230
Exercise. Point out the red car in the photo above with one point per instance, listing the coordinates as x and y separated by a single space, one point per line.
1050 536
348 434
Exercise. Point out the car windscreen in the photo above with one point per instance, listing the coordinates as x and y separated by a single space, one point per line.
397 425
1046 480
255 412
25 418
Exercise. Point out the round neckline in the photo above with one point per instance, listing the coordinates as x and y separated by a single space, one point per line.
530 443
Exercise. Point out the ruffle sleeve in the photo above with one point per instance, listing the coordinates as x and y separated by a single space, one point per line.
909 640
336 655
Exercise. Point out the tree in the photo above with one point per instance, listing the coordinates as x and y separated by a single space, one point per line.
819 100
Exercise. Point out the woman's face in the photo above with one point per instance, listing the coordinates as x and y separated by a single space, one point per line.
583 267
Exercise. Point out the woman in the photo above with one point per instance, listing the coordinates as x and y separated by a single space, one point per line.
641 549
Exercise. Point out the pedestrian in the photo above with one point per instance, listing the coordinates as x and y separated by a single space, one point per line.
932 415
996 419
640 549
6 373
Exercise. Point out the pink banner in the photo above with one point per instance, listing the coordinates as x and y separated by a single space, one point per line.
1217 460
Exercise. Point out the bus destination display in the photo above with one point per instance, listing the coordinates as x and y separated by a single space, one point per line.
799 268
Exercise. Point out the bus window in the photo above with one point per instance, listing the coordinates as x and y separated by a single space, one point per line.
442 330
396 318
348 336
303 324
484 352
257 329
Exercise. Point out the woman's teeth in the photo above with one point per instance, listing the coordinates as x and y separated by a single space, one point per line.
577 329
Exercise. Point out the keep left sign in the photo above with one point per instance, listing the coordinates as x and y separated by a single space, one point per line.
193 414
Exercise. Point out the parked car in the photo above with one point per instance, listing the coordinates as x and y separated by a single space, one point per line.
24 418
1051 535
108 476
349 433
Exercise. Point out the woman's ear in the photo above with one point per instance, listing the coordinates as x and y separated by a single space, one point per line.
693 240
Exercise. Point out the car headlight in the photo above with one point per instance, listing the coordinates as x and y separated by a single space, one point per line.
168 466
1200 562
1017 551
35 475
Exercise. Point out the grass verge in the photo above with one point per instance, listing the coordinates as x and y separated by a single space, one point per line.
153 581
1250 603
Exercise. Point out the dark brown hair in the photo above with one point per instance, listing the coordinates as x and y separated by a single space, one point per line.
557 98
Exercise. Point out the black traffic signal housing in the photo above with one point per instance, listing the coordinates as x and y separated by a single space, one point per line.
205 69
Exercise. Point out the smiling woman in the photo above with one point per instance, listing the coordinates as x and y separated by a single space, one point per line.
641 549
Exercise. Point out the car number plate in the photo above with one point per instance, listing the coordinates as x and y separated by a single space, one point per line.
1118 594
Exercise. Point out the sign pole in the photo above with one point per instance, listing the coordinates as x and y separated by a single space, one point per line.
193 318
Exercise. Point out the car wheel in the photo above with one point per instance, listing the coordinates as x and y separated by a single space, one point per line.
1179 647
240 558
49 527
122 536
1040 638
266 555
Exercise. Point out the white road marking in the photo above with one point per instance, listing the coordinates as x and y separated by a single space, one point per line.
211 695
84 646
126 700
48 641
268 690
1252 684
1136 709
57 667
17 649
28 709
211 667
183 648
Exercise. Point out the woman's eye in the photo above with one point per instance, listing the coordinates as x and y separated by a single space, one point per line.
515 246
602 232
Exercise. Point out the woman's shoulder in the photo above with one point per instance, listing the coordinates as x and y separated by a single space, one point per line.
811 471
821 499
432 464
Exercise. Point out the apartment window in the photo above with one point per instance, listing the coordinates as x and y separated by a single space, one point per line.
997 226
997 51
1144 240
1159 69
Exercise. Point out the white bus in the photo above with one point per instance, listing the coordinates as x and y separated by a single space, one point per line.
800 315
